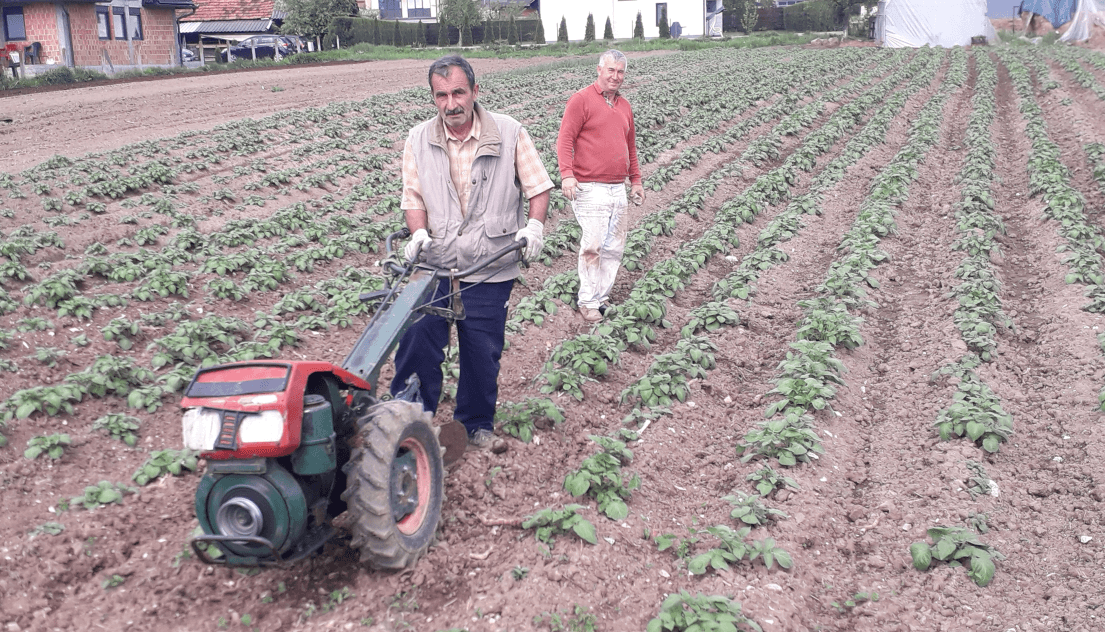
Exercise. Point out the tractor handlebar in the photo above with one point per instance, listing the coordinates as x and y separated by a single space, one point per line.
441 273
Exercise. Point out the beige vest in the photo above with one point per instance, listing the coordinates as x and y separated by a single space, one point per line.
496 206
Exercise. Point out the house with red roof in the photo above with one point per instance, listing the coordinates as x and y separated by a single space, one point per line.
219 23
107 36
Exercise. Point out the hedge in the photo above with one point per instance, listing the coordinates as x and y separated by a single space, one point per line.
350 31
812 16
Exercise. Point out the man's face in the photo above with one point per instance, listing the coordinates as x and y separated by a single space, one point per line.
455 101
611 75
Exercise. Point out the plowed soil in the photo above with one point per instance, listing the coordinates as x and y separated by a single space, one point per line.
883 480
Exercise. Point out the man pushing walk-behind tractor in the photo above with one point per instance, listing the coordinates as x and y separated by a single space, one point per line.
291 445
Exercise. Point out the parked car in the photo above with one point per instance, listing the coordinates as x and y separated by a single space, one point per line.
187 54
297 43
267 46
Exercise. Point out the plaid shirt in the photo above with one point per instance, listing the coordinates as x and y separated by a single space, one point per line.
527 164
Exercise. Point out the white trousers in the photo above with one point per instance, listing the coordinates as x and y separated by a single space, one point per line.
600 210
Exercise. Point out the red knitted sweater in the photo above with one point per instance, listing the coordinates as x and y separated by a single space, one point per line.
597 141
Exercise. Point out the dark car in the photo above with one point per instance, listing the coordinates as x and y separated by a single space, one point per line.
296 43
266 46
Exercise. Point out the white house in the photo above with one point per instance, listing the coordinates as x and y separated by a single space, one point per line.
693 16
402 9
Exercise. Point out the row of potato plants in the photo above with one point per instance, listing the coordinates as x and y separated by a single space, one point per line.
1050 179
586 356
976 411
1070 62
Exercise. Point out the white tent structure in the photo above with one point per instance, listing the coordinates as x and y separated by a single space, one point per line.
1088 13
947 23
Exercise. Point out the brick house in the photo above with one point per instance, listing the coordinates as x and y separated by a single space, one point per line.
105 36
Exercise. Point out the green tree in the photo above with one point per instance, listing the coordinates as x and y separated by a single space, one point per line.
562 34
749 16
376 32
589 30
461 14
639 28
419 39
665 32
425 32
608 32
488 36
539 36
396 35
312 18
840 9
512 32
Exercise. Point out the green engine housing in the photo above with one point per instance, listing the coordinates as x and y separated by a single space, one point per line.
255 498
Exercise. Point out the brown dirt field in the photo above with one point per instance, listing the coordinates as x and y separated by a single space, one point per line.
884 478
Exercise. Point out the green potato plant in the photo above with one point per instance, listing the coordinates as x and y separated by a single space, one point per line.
119 426
680 612
163 462
958 547
52 446
549 522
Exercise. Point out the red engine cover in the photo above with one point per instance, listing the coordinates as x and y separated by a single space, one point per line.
255 386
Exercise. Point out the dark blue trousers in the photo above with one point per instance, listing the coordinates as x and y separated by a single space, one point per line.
480 339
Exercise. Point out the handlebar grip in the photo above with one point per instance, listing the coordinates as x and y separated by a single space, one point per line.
399 234
492 258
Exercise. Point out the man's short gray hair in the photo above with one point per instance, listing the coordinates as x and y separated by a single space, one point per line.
613 57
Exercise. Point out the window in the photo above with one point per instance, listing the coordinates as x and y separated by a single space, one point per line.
661 11
133 24
103 23
14 26
391 9
117 30
418 8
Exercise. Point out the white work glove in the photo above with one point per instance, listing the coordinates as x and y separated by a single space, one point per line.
419 240
532 233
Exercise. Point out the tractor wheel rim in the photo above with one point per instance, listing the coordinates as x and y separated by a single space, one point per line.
412 522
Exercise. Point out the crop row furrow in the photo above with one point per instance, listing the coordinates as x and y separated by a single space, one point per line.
1066 205
1081 76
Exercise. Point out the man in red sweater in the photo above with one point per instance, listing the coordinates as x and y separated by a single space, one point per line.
597 152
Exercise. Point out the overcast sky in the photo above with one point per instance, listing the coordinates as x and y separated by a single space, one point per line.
1001 8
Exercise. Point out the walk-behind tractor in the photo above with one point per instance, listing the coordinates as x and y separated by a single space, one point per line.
292 445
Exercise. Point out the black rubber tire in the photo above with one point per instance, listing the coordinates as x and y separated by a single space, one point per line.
392 428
